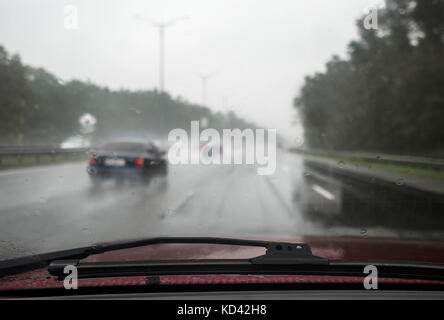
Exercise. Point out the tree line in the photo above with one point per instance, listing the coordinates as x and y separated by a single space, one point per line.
38 108
387 95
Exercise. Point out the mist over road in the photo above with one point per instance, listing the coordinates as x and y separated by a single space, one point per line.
57 207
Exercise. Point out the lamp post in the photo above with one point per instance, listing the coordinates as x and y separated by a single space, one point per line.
161 26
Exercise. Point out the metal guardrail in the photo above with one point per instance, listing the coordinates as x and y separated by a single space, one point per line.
422 162
37 152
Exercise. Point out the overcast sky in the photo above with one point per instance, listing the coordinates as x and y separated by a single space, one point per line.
258 51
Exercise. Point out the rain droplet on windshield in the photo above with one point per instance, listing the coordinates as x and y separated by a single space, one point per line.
400 182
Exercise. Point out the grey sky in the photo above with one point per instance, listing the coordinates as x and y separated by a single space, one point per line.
259 51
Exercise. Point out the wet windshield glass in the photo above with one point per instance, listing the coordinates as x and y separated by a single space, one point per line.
312 121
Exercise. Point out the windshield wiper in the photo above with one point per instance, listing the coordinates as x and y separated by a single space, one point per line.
284 253
278 254
280 258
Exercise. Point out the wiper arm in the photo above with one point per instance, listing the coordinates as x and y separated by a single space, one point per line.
277 252
279 256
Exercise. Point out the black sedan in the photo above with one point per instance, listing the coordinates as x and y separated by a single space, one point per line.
127 159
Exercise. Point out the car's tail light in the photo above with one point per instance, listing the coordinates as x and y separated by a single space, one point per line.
138 162
92 161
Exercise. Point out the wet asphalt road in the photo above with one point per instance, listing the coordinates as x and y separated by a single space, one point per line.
56 207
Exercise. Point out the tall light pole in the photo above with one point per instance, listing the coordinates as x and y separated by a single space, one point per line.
161 27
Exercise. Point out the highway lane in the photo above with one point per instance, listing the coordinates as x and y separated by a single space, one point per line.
56 207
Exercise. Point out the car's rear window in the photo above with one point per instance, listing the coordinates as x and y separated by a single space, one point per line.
124 147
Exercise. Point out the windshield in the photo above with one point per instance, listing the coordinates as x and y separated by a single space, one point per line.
312 121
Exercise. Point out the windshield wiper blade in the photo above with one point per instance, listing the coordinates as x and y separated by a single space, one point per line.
245 266
393 270
400 270
277 252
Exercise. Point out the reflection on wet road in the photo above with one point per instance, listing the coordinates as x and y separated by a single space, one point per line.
333 197
51 208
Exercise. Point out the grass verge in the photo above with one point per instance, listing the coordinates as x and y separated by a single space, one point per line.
400 168
11 162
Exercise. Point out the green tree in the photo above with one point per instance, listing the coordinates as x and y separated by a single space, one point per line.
387 95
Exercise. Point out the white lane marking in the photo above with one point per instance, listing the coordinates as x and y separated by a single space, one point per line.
325 193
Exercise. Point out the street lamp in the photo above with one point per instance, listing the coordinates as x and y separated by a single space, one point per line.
161 27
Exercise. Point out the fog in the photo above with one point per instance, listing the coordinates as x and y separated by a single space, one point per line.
369 163
257 53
